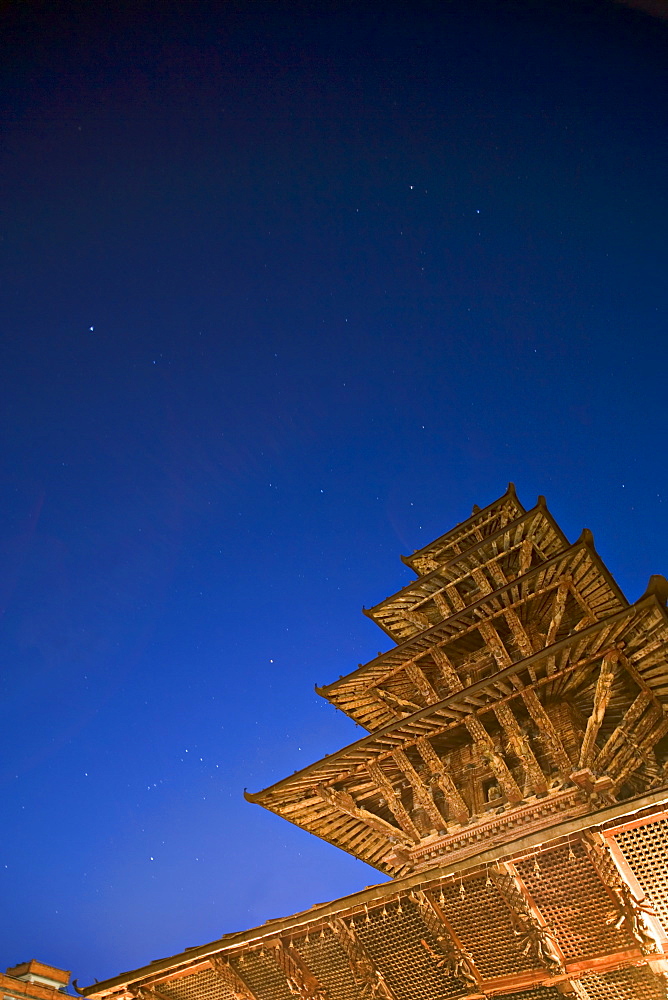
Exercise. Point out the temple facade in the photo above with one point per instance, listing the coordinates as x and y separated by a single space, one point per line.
513 784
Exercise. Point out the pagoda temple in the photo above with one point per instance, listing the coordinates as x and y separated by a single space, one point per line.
513 785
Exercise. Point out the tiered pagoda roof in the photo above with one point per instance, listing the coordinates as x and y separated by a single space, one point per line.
514 784
518 665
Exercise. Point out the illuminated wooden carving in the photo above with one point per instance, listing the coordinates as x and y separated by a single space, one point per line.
450 957
233 980
631 913
300 980
368 978
535 938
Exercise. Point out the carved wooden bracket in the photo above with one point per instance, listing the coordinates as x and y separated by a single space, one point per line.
344 801
450 957
492 757
224 970
536 939
368 978
631 913
301 981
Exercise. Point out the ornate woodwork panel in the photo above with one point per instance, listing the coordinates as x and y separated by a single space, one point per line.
574 902
481 523
645 850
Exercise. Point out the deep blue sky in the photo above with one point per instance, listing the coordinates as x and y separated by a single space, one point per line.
286 288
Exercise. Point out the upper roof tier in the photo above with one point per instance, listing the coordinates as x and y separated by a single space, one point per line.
482 522
490 562
558 596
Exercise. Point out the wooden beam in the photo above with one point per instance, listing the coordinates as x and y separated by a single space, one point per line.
518 630
602 695
233 980
300 980
537 940
369 980
493 640
451 956
455 597
521 747
511 789
644 747
393 799
520 635
421 790
444 609
416 618
447 668
344 801
558 608
526 552
484 586
621 733
630 747
547 730
443 780
419 680
400 707
589 616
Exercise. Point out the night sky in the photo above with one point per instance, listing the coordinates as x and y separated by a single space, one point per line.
286 288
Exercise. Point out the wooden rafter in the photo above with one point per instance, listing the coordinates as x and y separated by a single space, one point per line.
621 733
560 596
629 748
493 639
455 597
549 734
641 752
526 553
519 633
445 610
485 556
449 673
400 707
578 562
418 678
446 717
417 618
503 510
